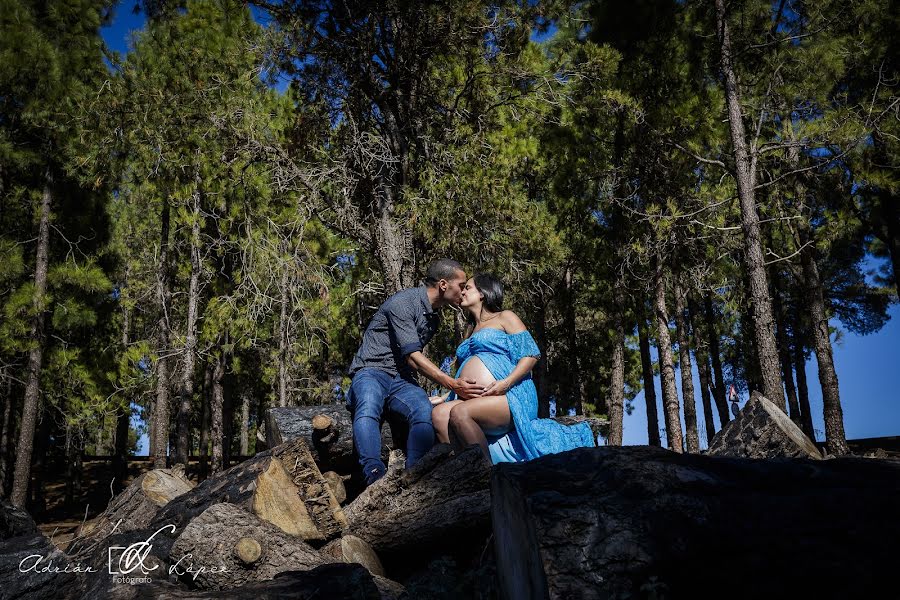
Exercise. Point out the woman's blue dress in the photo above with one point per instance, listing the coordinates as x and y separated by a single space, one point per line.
528 437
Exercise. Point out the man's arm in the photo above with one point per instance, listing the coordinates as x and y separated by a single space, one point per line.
464 388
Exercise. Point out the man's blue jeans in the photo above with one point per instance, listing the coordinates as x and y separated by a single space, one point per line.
374 394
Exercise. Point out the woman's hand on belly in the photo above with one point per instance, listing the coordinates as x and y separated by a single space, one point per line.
476 371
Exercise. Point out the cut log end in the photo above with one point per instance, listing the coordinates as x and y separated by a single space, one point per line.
322 422
248 550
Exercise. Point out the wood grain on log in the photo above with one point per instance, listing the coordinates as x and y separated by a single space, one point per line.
442 496
619 522
282 486
762 430
211 539
352 549
337 486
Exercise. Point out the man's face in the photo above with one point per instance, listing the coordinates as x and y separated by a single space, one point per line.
454 288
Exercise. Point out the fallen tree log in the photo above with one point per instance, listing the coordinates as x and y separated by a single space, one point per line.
762 430
282 486
352 549
134 508
442 499
226 547
30 565
620 522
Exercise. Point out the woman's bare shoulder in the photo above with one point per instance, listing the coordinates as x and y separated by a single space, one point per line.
511 322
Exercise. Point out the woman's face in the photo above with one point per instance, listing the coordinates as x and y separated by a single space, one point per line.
471 297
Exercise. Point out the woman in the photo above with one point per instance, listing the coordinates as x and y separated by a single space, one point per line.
499 353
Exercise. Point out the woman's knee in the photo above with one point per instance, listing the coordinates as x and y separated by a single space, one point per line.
459 414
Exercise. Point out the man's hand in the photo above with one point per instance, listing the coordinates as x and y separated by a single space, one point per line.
467 389
436 400
496 388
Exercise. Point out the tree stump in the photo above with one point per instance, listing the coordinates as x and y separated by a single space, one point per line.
762 430
628 522
282 486
226 547
328 430
134 508
442 497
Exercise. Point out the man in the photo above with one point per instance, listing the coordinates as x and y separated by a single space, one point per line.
383 369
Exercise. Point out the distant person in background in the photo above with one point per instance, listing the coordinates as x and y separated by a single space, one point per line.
499 354
383 370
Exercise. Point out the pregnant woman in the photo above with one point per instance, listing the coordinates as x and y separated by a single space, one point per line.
499 353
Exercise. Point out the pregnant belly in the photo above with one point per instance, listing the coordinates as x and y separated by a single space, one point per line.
474 369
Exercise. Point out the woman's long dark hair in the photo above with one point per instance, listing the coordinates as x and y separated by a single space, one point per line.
492 290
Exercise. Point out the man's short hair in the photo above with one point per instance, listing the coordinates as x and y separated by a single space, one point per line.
444 268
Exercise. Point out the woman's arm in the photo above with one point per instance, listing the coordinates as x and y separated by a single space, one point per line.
511 324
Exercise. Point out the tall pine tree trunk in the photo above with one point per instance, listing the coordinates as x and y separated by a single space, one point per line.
702 355
217 401
245 423
802 387
617 380
745 165
205 418
647 371
667 365
576 384
684 359
123 414
835 439
393 242
160 439
283 339
541 377
186 390
784 350
716 358
30 405
6 433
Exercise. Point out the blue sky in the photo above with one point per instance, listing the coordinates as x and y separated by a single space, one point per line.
870 396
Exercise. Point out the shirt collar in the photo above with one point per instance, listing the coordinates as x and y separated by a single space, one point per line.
423 293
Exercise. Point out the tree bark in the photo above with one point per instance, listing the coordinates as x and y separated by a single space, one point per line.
245 423
30 405
684 359
701 354
646 516
186 391
203 450
283 339
541 376
576 391
716 357
217 400
745 175
647 369
617 379
835 439
6 435
784 350
800 368
160 438
667 365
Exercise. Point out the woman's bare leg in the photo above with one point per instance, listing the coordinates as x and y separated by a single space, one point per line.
469 419
440 418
